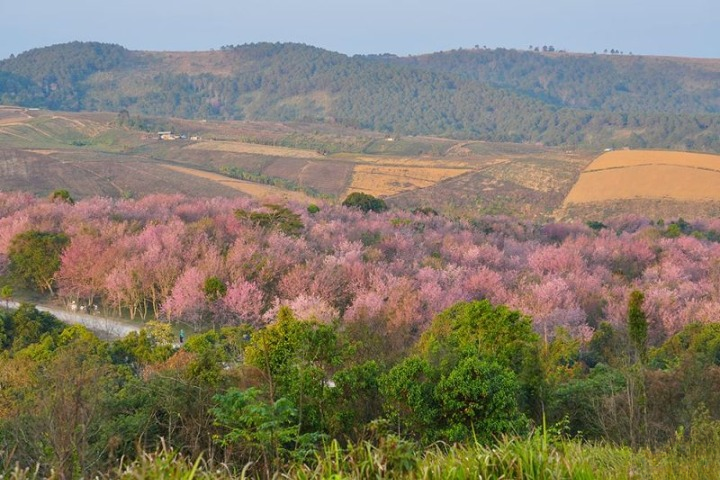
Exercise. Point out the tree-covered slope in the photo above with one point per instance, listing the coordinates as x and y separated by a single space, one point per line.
616 83
497 95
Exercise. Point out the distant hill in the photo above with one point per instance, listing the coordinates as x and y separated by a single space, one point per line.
494 95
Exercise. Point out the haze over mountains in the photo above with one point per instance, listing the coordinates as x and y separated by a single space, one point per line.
494 95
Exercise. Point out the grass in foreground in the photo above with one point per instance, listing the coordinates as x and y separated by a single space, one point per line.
534 457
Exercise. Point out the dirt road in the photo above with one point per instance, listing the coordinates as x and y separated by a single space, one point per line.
107 328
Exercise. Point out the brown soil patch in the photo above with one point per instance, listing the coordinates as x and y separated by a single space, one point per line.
255 149
253 189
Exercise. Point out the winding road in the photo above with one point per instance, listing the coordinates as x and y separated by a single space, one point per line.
104 327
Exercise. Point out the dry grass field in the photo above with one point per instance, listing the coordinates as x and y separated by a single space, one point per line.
89 154
13 116
384 181
624 175
255 149
414 162
262 192
86 174
657 184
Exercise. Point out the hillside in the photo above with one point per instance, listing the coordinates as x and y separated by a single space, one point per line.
492 95
102 154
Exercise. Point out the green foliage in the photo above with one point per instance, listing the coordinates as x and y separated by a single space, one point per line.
62 195
211 352
27 325
277 217
353 401
297 359
638 324
151 344
297 399
365 202
35 257
6 293
479 398
673 231
258 427
607 345
697 342
53 76
408 389
480 329
475 364
214 289
577 400
596 225
313 209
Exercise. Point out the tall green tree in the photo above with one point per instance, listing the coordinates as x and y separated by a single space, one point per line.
637 324
35 257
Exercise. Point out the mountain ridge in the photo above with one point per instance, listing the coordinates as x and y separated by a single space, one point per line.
495 95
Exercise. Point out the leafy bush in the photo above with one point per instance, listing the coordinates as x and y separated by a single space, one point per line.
365 202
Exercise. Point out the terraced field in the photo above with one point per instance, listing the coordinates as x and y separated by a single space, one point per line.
91 154
383 181
255 149
648 181
648 174
263 192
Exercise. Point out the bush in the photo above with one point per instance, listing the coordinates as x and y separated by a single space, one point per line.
365 202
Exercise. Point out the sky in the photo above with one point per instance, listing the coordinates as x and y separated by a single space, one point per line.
402 27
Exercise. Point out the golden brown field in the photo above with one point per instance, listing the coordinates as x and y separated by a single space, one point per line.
254 149
625 175
384 181
256 190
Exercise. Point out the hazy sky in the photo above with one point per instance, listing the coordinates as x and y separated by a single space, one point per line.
664 27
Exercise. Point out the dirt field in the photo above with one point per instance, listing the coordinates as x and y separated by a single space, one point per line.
383 181
13 116
253 189
255 149
624 175
89 154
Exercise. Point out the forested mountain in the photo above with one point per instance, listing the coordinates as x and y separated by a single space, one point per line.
616 83
496 95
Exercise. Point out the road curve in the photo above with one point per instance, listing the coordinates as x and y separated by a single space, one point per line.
108 328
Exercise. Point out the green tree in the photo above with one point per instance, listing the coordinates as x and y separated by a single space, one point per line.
35 257
365 202
256 426
62 195
6 293
490 333
637 324
481 329
214 289
297 359
353 399
410 402
479 398
28 325
275 217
